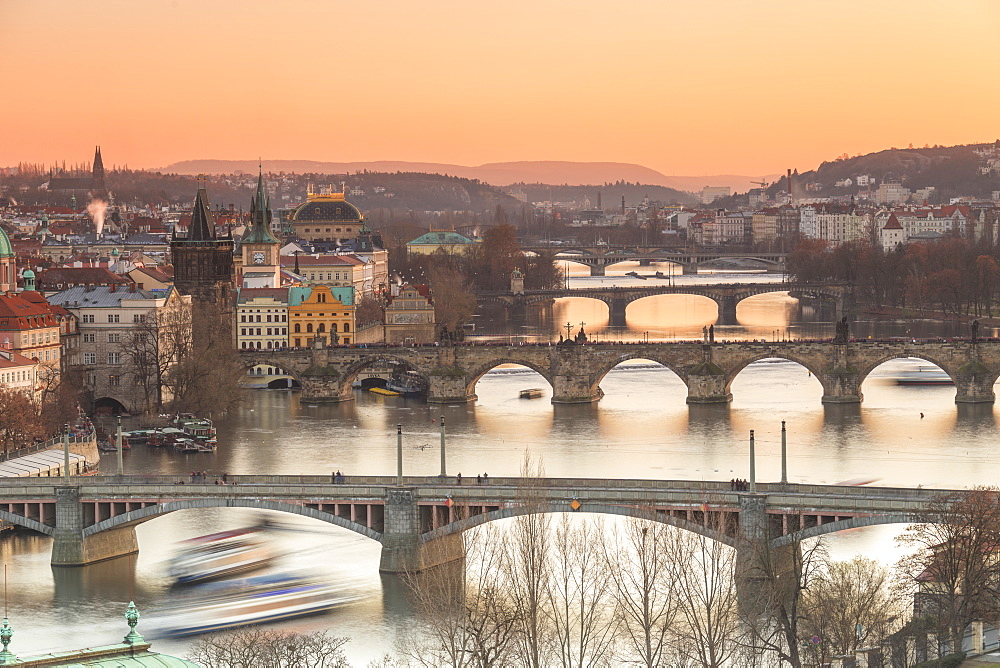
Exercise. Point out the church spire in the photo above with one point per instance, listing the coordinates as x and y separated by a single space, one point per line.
260 215
97 176
202 227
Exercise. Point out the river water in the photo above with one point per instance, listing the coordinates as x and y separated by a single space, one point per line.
642 428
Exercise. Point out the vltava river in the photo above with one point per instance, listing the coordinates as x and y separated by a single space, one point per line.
641 428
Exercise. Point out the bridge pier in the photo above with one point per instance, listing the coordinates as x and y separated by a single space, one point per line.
324 389
403 549
841 382
448 388
766 575
616 312
707 382
72 548
689 268
727 310
597 269
974 380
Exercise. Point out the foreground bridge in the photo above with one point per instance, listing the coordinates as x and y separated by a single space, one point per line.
575 371
601 256
419 523
726 296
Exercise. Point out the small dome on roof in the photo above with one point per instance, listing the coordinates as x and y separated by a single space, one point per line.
28 274
332 208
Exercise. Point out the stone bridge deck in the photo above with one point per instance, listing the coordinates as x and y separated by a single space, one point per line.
94 518
575 372
726 296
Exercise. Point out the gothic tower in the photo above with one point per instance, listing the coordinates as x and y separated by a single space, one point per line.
260 249
97 177
203 263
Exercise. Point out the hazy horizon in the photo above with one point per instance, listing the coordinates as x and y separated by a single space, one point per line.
686 89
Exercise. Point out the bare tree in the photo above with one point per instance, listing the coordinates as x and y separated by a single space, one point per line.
849 605
579 602
20 422
528 566
703 572
773 580
205 377
255 647
466 616
954 570
646 603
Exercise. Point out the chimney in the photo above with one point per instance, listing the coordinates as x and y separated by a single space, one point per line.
598 199
789 183
113 287
623 205
131 288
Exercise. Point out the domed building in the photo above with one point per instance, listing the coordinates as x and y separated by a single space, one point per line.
8 269
327 217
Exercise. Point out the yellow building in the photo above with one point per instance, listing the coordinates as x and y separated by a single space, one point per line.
320 311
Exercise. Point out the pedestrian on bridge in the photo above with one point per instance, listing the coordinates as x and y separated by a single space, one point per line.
479 479
459 478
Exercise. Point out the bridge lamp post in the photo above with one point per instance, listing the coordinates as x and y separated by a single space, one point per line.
66 453
443 474
399 454
753 466
121 464
784 455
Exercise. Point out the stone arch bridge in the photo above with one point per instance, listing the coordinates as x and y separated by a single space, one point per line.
840 296
601 256
419 522
575 371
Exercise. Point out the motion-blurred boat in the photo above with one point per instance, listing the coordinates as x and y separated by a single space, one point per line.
924 375
533 393
219 555
254 601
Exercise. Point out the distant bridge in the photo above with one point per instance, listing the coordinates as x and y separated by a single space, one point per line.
726 295
575 371
600 256
419 521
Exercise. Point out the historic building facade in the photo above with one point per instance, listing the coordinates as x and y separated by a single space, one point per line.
320 311
203 261
261 266
327 217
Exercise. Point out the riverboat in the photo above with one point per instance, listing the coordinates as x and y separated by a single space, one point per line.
384 392
533 393
191 445
256 601
408 384
220 555
924 375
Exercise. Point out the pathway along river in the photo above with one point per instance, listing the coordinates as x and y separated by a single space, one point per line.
641 428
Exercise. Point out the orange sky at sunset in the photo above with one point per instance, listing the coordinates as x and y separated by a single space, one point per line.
710 87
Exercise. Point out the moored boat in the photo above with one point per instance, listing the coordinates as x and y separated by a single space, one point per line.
924 375
408 384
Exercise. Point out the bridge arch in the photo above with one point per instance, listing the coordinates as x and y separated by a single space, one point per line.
352 371
250 361
775 354
474 521
907 354
473 377
843 525
607 368
27 523
151 512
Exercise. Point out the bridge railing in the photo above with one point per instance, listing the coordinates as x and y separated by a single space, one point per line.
571 485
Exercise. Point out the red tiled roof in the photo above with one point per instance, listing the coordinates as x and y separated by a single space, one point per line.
58 278
16 360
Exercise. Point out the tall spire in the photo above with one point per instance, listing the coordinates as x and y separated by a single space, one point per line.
202 227
97 178
260 215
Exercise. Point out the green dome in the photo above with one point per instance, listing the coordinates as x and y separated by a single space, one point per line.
28 274
6 250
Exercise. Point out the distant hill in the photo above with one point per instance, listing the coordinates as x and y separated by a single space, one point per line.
952 170
496 173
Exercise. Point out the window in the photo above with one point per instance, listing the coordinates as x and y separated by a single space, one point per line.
114 358
298 328
113 317
309 328
114 380
137 318
322 328
243 318
347 327
90 358
88 317
89 338
258 332
114 338
298 343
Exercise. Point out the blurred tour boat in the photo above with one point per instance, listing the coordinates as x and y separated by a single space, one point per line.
219 555
924 375
255 600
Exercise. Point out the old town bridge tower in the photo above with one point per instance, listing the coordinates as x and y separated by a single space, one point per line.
203 261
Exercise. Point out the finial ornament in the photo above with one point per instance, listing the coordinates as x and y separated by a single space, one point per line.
132 617
6 632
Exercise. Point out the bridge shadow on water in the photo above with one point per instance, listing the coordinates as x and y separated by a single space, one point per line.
113 578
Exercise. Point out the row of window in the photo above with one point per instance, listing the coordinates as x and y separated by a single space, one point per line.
257 344
330 276
15 376
113 337
113 318
277 318
321 327
271 331
91 358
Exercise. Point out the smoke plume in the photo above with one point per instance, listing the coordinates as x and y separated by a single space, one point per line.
97 209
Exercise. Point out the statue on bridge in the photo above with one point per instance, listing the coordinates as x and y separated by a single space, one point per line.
711 333
843 331
581 336
975 330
